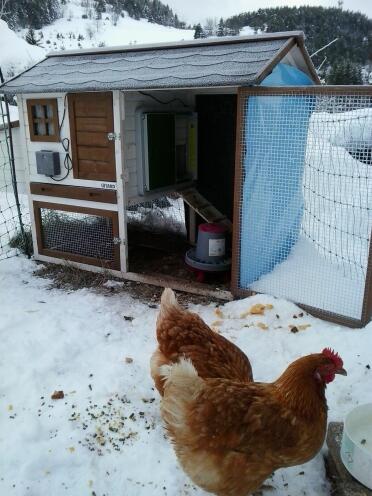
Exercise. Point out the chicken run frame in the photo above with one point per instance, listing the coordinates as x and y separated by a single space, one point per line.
236 130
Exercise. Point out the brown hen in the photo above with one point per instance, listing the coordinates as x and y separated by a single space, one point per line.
230 436
183 334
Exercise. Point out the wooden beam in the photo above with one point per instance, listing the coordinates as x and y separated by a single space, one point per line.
179 285
367 300
74 192
152 279
307 90
267 69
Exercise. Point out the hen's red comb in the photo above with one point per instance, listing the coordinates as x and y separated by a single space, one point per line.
335 357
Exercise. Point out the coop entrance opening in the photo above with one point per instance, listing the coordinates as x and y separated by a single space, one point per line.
158 240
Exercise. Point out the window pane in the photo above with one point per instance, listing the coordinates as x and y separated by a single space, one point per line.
49 128
40 129
49 111
38 111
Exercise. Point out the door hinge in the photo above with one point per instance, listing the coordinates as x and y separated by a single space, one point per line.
113 136
125 175
118 241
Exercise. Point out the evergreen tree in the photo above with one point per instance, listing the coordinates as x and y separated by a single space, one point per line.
31 37
321 25
199 33
345 72
100 8
33 13
221 28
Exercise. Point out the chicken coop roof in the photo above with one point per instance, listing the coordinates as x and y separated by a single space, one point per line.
234 61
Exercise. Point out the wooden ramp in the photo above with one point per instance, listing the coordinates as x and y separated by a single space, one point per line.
204 208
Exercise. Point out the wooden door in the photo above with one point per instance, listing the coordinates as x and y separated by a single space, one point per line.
91 119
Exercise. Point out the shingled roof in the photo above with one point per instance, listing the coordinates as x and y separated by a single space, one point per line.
235 61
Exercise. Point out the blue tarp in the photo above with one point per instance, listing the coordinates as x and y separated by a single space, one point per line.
275 139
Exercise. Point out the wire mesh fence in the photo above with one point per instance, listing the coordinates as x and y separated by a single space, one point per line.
14 238
305 212
78 234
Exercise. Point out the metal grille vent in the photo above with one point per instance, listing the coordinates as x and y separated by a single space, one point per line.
77 233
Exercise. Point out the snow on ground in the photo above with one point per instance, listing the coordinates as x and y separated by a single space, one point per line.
16 54
13 111
333 247
308 277
248 31
9 222
105 437
93 33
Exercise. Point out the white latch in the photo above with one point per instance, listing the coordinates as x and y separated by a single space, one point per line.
118 241
113 136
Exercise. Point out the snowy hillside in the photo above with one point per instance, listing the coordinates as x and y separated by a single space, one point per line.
72 31
15 53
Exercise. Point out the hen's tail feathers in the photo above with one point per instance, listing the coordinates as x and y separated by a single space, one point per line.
181 376
168 302
182 385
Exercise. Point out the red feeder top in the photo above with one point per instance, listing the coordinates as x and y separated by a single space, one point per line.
212 228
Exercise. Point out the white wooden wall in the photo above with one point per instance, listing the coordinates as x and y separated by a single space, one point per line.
30 147
33 146
133 103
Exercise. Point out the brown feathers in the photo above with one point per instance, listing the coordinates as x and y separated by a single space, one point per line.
230 436
230 433
183 334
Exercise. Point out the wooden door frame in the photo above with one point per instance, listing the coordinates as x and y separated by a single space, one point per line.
122 176
237 291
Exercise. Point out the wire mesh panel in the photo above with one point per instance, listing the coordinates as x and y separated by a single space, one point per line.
78 234
303 197
13 207
165 214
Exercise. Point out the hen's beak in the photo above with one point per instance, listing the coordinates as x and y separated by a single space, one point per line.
341 371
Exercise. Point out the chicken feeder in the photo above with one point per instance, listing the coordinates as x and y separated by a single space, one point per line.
356 446
209 255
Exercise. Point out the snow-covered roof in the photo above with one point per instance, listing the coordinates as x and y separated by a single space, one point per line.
234 61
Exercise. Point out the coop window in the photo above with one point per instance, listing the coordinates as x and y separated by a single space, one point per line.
79 234
43 119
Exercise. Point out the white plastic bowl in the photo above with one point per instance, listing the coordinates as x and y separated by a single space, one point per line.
356 446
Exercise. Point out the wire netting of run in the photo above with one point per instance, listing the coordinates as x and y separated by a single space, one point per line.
13 208
305 198
162 215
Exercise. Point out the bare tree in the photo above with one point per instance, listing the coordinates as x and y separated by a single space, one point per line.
210 26
90 32
3 11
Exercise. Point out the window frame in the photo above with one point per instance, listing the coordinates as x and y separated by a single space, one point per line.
54 119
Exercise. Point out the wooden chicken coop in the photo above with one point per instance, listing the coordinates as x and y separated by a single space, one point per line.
130 148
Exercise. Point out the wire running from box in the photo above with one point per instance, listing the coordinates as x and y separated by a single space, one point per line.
65 142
